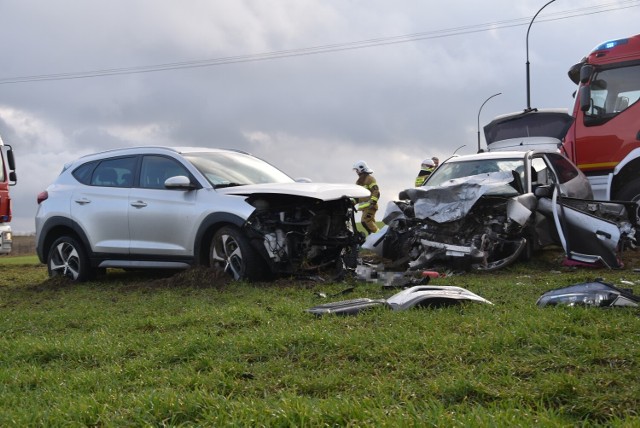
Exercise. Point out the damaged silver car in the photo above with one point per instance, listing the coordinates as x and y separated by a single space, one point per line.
485 211
171 208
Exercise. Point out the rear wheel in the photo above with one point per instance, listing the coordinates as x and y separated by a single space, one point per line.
630 192
68 258
232 253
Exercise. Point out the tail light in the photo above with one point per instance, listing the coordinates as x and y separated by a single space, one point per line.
43 196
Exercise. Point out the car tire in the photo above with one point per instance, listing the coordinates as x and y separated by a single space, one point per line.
68 258
630 192
231 252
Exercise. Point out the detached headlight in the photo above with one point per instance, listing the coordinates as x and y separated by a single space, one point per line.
597 294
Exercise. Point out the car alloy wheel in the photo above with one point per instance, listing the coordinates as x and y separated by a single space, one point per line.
67 258
227 254
232 252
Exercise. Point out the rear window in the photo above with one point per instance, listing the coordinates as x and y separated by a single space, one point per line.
83 172
116 172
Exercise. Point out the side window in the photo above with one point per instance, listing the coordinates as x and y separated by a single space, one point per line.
540 173
156 169
114 172
83 172
613 91
563 167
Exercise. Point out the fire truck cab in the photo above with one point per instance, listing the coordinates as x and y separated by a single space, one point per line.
7 178
604 139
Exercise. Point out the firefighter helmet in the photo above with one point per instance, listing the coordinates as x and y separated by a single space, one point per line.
361 167
428 163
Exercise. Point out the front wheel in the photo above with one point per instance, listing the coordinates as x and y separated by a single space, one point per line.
232 253
68 258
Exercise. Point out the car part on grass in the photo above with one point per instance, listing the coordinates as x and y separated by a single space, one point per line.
597 293
393 279
417 296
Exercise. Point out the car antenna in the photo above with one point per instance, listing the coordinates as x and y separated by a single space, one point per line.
464 145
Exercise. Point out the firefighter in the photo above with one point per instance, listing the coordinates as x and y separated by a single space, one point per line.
368 206
426 168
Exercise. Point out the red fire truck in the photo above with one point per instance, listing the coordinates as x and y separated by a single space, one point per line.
604 139
7 178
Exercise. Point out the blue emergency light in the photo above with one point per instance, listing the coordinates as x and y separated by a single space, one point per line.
612 44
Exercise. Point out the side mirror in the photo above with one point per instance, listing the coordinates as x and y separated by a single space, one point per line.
585 73
11 163
585 98
543 191
179 182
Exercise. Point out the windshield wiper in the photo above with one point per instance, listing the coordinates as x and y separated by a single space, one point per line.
221 185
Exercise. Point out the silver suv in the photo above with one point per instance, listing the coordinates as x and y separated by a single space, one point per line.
159 207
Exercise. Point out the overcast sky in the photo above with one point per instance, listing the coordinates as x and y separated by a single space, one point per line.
309 85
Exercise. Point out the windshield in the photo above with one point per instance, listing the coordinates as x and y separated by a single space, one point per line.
225 169
459 169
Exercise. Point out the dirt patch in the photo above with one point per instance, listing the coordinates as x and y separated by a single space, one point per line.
195 277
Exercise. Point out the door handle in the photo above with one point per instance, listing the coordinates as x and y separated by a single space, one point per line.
82 201
139 204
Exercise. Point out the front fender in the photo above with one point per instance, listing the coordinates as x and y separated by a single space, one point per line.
207 228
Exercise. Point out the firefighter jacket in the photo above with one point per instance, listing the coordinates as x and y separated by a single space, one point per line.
423 175
368 182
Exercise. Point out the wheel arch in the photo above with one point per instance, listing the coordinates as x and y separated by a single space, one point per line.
212 223
629 171
56 227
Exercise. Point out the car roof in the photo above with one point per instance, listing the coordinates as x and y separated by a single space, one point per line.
514 154
136 150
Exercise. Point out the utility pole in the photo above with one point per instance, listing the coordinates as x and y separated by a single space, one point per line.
485 101
528 80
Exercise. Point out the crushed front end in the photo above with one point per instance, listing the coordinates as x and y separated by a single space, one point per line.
297 234
486 238
480 222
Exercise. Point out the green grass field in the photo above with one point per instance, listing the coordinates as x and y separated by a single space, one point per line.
192 350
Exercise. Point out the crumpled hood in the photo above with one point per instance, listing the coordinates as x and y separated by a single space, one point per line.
321 191
453 199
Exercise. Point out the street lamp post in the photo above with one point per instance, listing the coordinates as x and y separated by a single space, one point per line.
528 80
485 101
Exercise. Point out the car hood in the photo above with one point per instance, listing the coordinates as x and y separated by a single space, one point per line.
322 191
536 129
453 199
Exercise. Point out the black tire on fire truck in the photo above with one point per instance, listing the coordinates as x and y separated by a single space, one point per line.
68 258
630 191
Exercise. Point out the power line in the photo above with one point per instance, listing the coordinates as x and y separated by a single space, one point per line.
382 41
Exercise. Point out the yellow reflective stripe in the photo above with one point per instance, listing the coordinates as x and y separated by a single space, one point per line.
374 199
597 165
369 186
